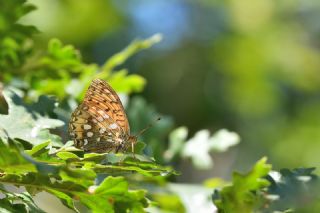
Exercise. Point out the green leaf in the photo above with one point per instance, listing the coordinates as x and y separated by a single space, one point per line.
133 48
11 160
15 42
138 147
245 194
296 189
38 149
113 195
18 202
122 82
82 176
168 202
45 105
62 57
67 155
112 185
25 125
215 183
96 157
121 163
145 114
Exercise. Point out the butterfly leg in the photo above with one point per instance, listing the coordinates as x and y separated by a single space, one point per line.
132 148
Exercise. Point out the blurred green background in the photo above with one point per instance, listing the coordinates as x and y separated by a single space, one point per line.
250 66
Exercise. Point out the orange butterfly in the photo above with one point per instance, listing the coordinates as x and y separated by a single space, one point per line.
99 124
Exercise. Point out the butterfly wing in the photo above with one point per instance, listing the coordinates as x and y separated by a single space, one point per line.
106 100
85 132
100 124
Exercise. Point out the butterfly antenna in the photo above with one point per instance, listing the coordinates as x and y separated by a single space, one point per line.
147 127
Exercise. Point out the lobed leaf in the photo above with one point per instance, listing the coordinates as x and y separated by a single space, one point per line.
23 124
293 189
113 195
15 38
245 192
17 202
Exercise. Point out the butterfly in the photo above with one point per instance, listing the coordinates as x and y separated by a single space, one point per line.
99 124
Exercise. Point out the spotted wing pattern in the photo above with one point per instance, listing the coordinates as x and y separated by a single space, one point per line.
99 123
106 99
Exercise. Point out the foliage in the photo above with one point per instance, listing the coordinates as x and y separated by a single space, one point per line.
60 66
263 190
26 123
17 202
145 114
297 189
48 165
68 176
244 195
36 155
15 38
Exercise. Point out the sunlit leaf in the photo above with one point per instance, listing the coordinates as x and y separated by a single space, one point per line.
25 125
67 155
113 195
133 48
245 194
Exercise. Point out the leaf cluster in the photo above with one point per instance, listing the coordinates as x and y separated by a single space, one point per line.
15 39
263 190
70 177
60 66
32 153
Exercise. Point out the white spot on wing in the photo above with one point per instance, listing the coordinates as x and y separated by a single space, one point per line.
89 134
102 130
86 126
100 119
113 126
104 115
